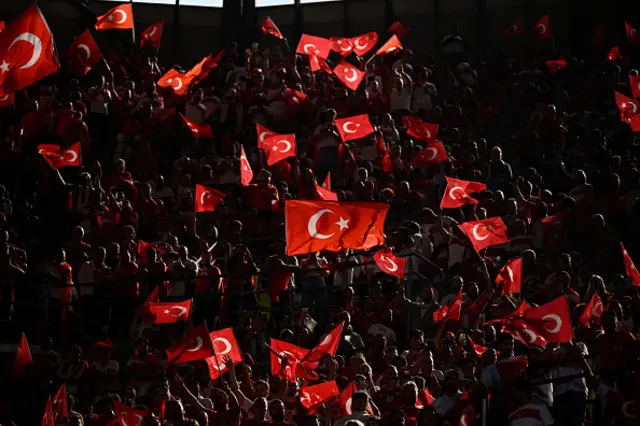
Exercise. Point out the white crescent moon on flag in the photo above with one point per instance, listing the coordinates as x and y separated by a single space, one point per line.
179 86
597 309
477 236
86 51
153 32
514 28
74 155
205 194
543 28
434 151
123 14
532 336
227 345
37 48
306 48
452 192
263 135
286 143
557 320
312 225
463 420
346 129
4 98
354 75
182 310
510 273
349 47
391 265
634 107
347 406
625 412
359 46
199 344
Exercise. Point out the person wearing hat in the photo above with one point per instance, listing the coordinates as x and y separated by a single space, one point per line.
359 403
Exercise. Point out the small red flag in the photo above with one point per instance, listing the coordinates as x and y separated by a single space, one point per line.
59 404
314 45
224 344
511 276
449 312
207 198
269 27
552 320
169 312
279 147
485 233
398 28
630 268
47 417
555 65
634 82
328 346
614 54
392 45
420 129
118 18
246 174
632 34
349 75
179 82
312 397
389 263
457 193
516 29
198 130
592 312
84 53
355 127
263 133
194 346
151 36
433 153
364 43
23 357
543 29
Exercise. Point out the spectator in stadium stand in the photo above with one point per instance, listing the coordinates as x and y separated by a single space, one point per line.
493 286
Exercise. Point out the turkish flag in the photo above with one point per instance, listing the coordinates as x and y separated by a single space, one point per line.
552 320
543 29
312 397
627 106
342 45
2 25
179 82
555 65
201 70
328 346
26 51
207 198
510 276
169 312
84 53
524 333
634 82
323 194
419 129
319 64
224 344
314 45
614 54
334 226
388 263
269 27
343 402
632 34
47 417
279 280
425 399
449 312
630 268
285 359
485 233
198 130
477 348
457 193
392 45
279 147
355 127
592 312
364 43
398 28
59 404
7 100
263 133
151 36
129 416
433 153
194 346
349 75
246 174
516 29
23 357
118 18
71 156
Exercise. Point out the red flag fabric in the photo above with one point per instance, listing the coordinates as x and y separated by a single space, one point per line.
324 194
477 348
457 193
555 65
485 233
263 133
314 45
194 346
364 43
419 129
285 359
151 36
207 198
516 29
312 397
2 25
433 153
84 53
118 18
71 156
355 127
269 27
349 75
169 312
178 81
398 28
201 70
7 100
592 312
224 344
342 45
246 174
390 264
23 357
630 268
27 52
47 417
334 226
628 107
319 64
59 404
279 147
392 45
614 54
543 29
343 403
198 130
552 320
634 82
328 346
524 333
449 312
279 280
510 276
425 399
632 34
129 416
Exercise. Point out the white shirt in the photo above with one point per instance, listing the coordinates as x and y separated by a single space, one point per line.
575 385
531 415
443 404
87 275
400 99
